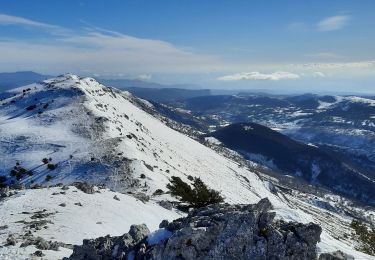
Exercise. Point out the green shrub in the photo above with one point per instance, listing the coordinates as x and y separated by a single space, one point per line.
45 160
366 236
51 166
22 170
3 180
197 196
48 177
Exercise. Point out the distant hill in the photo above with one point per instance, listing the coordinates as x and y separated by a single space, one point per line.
156 92
278 151
167 94
17 79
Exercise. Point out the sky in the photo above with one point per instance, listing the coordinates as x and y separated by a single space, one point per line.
301 46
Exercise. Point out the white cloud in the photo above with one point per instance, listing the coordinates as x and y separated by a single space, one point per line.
96 50
325 55
279 75
318 74
144 77
15 20
333 23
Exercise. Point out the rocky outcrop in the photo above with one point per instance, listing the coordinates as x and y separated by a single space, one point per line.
84 186
218 231
111 247
338 255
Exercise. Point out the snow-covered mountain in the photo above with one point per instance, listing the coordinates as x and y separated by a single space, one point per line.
69 129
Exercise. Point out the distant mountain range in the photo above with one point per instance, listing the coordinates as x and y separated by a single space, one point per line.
18 79
143 89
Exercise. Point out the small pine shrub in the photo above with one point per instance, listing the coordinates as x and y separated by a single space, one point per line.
22 170
143 176
3 180
48 177
198 196
13 173
51 166
45 160
366 236
32 107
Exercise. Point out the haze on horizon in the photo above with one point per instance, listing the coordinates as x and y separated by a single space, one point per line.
301 46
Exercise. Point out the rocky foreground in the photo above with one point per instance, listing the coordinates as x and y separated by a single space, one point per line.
218 231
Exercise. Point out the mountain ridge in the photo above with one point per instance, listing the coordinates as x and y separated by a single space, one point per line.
106 136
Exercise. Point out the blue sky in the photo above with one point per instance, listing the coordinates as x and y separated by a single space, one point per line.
286 45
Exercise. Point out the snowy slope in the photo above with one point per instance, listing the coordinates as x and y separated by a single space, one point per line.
99 214
101 135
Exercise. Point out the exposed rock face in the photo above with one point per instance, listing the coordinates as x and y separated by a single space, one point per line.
111 247
218 231
85 187
338 255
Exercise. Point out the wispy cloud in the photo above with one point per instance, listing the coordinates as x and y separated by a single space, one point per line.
255 75
144 77
16 20
96 50
335 65
318 74
333 23
325 55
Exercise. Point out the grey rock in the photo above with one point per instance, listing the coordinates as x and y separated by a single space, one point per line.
41 243
11 240
116 198
65 188
111 247
138 232
85 187
142 197
166 204
219 231
4 227
38 253
337 255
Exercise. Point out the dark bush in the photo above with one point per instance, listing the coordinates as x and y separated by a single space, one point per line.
143 176
3 180
366 237
158 192
32 107
13 173
51 166
22 170
48 177
198 196
45 160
